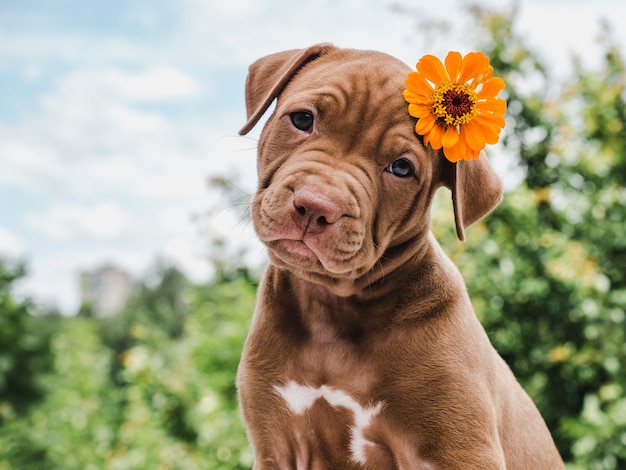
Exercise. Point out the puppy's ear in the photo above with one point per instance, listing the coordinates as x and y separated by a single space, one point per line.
268 76
476 191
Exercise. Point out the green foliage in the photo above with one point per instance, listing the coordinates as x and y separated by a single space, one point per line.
75 425
24 341
547 270
181 394
132 392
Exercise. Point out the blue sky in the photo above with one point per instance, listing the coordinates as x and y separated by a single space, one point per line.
113 115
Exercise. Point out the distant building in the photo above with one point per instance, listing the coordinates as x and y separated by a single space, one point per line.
105 290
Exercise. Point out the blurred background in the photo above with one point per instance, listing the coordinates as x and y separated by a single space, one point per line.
128 265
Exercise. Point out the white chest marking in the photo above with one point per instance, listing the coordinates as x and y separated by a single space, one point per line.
300 398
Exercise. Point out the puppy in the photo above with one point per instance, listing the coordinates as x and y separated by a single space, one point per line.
364 351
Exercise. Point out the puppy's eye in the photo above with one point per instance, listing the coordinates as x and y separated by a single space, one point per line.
401 168
302 120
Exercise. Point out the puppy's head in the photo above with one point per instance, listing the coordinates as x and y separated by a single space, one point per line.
345 184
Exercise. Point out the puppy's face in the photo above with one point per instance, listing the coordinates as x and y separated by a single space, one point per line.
344 182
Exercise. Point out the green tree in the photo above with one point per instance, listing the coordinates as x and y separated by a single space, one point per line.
21 346
160 301
181 393
24 361
170 402
76 423
594 196
546 269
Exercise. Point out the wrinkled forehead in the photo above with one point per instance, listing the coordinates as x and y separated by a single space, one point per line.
353 92
351 80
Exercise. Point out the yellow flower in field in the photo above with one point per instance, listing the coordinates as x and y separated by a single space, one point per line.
456 104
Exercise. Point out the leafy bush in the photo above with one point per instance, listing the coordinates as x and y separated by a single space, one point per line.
167 401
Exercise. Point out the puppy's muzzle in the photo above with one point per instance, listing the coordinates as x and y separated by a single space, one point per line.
312 222
314 212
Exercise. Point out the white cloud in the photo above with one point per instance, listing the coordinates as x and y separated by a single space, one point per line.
53 285
175 219
10 245
241 32
119 116
87 136
22 45
23 162
228 10
190 256
106 97
174 177
154 84
72 222
559 31
115 170
54 277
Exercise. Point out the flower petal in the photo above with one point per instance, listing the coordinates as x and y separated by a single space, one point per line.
490 132
490 120
472 154
418 84
474 64
491 88
492 106
453 65
486 75
450 137
456 153
419 110
435 137
425 124
411 97
432 70
473 136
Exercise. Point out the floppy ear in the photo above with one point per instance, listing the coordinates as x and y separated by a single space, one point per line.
476 191
268 76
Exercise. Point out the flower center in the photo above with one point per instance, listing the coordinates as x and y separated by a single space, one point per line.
457 103
454 104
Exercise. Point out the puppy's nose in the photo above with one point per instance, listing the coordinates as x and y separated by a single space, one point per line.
313 211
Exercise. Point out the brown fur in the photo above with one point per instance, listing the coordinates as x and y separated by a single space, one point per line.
360 307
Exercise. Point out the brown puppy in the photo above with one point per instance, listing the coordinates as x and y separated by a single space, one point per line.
364 350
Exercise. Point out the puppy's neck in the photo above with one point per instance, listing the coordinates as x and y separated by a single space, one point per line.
380 279
326 317
371 306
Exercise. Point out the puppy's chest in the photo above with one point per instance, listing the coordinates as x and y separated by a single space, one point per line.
324 427
334 403
327 426
332 417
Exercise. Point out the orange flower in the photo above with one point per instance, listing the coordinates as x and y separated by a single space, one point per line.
456 104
